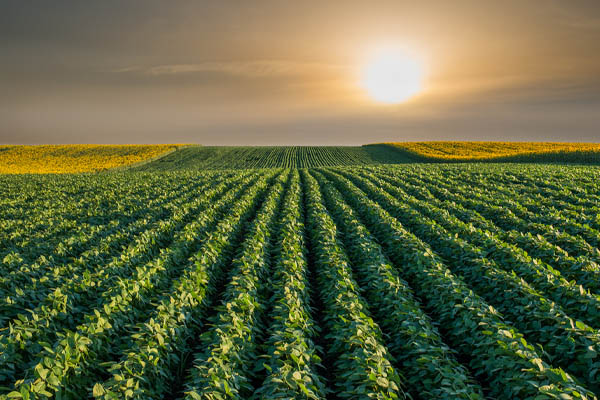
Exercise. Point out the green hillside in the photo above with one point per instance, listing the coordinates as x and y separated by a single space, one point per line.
196 158
218 157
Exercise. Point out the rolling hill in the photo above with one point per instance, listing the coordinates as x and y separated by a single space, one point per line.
447 151
219 157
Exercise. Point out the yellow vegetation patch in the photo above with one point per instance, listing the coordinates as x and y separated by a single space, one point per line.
464 151
74 158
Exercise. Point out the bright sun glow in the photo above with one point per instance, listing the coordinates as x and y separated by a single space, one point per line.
391 76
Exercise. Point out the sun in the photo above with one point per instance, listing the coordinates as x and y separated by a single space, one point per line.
391 76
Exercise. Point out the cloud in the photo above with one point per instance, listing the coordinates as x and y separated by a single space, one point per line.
582 15
527 87
249 69
585 23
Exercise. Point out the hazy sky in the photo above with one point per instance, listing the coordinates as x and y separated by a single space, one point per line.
283 72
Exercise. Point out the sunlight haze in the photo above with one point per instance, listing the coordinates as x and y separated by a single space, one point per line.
270 72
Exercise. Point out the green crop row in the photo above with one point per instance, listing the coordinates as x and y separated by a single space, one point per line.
200 158
223 367
582 269
291 358
68 305
414 281
61 205
512 215
573 344
497 352
162 342
363 365
67 366
572 298
430 367
28 285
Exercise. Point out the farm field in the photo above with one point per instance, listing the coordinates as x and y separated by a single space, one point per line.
423 281
48 159
228 157
558 152
75 158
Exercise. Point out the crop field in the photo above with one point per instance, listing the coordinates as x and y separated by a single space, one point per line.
557 152
228 157
54 159
422 281
61 159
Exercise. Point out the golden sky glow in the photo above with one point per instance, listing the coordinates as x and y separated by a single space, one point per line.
392 76
272 72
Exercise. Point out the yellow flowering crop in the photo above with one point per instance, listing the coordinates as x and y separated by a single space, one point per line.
75 158
463 151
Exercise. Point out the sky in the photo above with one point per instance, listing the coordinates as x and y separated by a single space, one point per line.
280 72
